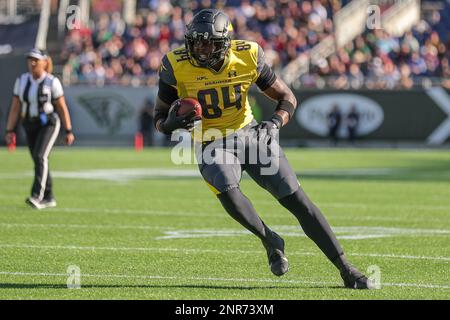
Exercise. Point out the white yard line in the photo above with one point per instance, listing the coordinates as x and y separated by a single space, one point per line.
342 232
127 174
121 211
416 285
212 279
357 205
398 256
79 226
202 251
222 215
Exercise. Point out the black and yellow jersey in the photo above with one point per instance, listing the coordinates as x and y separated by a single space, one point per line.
223 94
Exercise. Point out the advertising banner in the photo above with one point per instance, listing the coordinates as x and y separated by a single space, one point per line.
414 115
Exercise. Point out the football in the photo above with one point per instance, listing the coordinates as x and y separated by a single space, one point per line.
188 105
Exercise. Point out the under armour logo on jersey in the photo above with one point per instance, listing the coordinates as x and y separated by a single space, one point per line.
232 73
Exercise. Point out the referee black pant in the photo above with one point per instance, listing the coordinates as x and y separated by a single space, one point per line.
41 139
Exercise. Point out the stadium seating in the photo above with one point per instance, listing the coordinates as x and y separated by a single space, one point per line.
112 52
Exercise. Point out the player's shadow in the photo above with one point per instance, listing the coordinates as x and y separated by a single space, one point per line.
161 286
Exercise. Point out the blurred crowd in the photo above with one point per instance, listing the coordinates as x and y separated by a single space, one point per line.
111 52
376 60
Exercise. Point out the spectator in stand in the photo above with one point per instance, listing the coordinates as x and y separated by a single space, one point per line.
286 30
356 77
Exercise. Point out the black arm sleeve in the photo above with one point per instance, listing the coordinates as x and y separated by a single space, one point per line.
167 82
167 93
266 78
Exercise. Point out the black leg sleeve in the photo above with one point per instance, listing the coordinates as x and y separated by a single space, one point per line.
241 209
313 223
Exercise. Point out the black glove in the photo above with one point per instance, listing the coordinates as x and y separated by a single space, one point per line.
173 121
269 128
268 125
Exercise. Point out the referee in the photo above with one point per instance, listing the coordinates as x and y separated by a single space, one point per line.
38 99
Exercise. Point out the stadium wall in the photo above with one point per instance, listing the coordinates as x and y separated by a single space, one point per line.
11 67
110 115
15 40
409 116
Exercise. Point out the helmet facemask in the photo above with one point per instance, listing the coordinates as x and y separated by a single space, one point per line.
204 50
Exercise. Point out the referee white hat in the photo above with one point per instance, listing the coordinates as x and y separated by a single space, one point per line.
37 53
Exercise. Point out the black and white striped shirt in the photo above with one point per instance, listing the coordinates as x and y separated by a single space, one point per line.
36 96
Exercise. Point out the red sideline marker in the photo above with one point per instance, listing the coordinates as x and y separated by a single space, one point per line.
12 145
138 142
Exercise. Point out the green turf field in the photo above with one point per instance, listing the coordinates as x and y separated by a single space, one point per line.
138 230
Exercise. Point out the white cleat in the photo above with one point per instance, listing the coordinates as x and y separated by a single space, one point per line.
39 205
34 203
51 203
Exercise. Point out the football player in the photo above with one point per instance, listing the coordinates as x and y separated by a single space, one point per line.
219 72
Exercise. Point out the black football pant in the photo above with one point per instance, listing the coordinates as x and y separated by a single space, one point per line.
309 216
224 179
40 142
